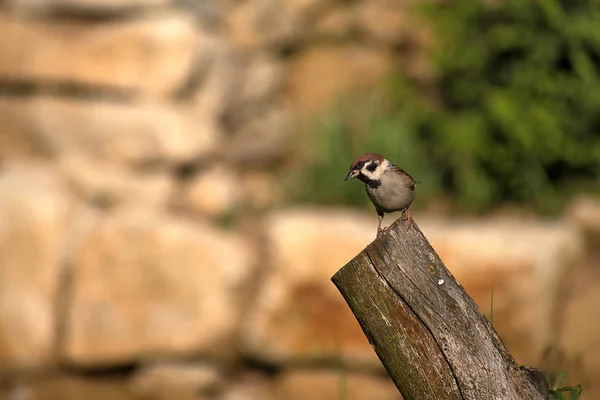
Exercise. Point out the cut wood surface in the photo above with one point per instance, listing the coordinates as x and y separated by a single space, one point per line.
429 334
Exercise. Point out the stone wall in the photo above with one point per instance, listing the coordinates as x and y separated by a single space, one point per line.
144 249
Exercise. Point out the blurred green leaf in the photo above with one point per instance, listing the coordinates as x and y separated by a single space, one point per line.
560 379
575 392
557 396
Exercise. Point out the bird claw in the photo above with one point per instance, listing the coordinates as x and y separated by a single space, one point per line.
407 217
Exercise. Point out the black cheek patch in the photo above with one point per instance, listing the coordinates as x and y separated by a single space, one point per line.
372 166
372 183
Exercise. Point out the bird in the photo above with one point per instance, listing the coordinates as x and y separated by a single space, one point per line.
389 187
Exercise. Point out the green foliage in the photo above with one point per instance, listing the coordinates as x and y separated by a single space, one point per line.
514 115
557 390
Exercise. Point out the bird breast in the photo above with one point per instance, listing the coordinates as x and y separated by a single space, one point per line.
394 194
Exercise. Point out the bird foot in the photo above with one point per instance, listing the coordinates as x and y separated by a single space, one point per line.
381 230
409 220
406 216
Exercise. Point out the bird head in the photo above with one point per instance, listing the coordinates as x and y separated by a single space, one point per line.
369 166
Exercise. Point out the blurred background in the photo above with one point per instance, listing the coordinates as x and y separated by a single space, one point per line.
172 203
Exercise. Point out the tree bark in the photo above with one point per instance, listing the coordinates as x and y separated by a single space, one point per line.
429 334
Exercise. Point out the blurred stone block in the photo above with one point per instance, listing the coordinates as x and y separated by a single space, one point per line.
71 387
262 140
107 185
34 218
262 23
578 325
584 214
113 132
263 78
220 77
577 318
299 314
250 386
320 73
383 20
261 190
147 285
213 192
331 385
176 381
336 24
150 56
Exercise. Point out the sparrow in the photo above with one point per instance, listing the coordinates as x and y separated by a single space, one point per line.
389 187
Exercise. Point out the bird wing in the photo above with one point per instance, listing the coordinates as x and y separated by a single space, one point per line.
410 182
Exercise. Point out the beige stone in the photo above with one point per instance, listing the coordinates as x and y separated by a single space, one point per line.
71 387
262 140
578 325
16 144
336 24
34 219
250 386
334 385
379 22
147 284
320 74
134 134
299 314
180 381
108 185
213 192
259 23
221 81
583 214
278 23
263 79
151 56
577 317
81 6
261 190
382 20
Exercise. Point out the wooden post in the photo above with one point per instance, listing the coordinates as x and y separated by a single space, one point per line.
429 334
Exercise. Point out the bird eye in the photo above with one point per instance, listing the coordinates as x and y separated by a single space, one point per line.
360 164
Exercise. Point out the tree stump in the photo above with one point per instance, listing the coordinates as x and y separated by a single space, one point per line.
429 334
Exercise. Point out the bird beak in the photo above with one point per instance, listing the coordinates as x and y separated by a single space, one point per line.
351 175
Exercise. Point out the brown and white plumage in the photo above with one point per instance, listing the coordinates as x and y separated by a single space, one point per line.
389 187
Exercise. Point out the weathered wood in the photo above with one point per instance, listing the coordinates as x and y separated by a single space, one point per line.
429 334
